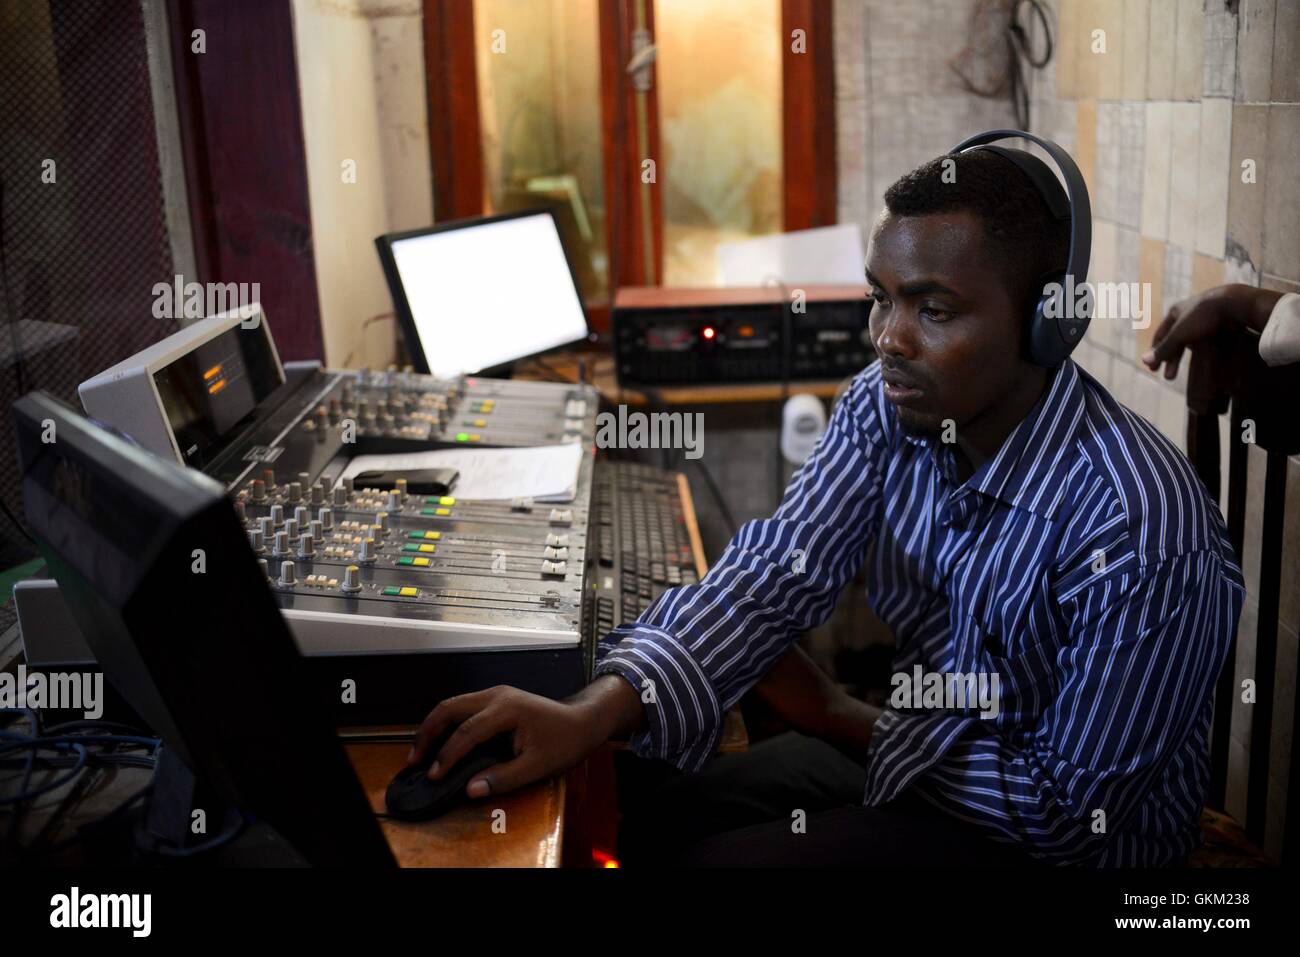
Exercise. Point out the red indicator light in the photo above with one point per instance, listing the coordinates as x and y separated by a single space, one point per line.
709 333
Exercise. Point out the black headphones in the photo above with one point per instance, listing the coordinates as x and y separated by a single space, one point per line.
1050 339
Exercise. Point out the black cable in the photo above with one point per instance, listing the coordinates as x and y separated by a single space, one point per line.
556 374
1020 53
716 492
9 306
1011 76
15 344
13 519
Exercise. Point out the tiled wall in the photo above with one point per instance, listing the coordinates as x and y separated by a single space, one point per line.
1160 123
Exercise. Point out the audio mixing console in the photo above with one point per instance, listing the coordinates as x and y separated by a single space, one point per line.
405 598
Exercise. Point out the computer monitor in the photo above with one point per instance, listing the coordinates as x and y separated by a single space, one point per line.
477 294
162 583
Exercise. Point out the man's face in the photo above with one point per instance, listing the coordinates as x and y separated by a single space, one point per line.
946 329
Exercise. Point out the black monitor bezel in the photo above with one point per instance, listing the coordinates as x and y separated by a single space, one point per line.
150 666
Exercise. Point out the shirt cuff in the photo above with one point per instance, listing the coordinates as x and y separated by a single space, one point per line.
1280 342
682 710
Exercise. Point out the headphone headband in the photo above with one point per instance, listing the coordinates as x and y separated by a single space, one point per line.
1053 338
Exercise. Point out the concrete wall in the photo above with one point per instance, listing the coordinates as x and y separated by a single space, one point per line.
361 77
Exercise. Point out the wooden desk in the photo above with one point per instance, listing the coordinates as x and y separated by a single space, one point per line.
524 828
534 817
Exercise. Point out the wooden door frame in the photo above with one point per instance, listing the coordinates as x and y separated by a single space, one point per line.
455 134
808 141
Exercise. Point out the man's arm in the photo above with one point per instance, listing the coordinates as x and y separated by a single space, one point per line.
1202 317
699 648
1135 680
670 677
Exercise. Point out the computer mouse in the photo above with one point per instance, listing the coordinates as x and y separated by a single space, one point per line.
411 796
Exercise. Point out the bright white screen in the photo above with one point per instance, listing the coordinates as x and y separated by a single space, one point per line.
484 295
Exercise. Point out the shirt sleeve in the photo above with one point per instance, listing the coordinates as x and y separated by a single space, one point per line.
699 647
1133 684
1280 342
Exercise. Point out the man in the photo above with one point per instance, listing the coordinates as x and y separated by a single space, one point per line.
1016 525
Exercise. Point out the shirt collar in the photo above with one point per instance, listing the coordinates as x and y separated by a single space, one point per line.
1028 470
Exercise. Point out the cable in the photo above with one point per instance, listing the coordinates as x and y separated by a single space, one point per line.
787 344
730 519
361 333
16 345
555 374
1009 80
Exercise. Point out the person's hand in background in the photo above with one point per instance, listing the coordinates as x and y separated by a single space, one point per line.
1202 317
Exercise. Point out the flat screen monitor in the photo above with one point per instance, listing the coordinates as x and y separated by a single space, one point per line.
477 294
159 577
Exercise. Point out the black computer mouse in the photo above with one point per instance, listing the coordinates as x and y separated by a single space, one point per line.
411 796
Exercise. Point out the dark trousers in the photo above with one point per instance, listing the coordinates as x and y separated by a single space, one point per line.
794 801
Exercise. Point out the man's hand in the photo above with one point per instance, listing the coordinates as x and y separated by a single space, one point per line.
805 697
1203 317
549 736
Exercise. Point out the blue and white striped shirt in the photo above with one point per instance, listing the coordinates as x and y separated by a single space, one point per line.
1084 564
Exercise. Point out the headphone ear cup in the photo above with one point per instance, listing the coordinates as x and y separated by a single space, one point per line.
1045 345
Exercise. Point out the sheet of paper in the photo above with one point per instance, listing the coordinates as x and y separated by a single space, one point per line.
545 473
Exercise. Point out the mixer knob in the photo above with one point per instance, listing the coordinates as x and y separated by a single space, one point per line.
281 544
291 528
318 494
401 486
336 411
306 545
367 550
259 490
268 476
302 515
255 540
327 519
277 515
363 376
304 479
286 574
265 568
322 417
561 516
317 530
350 484
395 501
340 496
241 512
351 580
381 523
295 492
266 527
